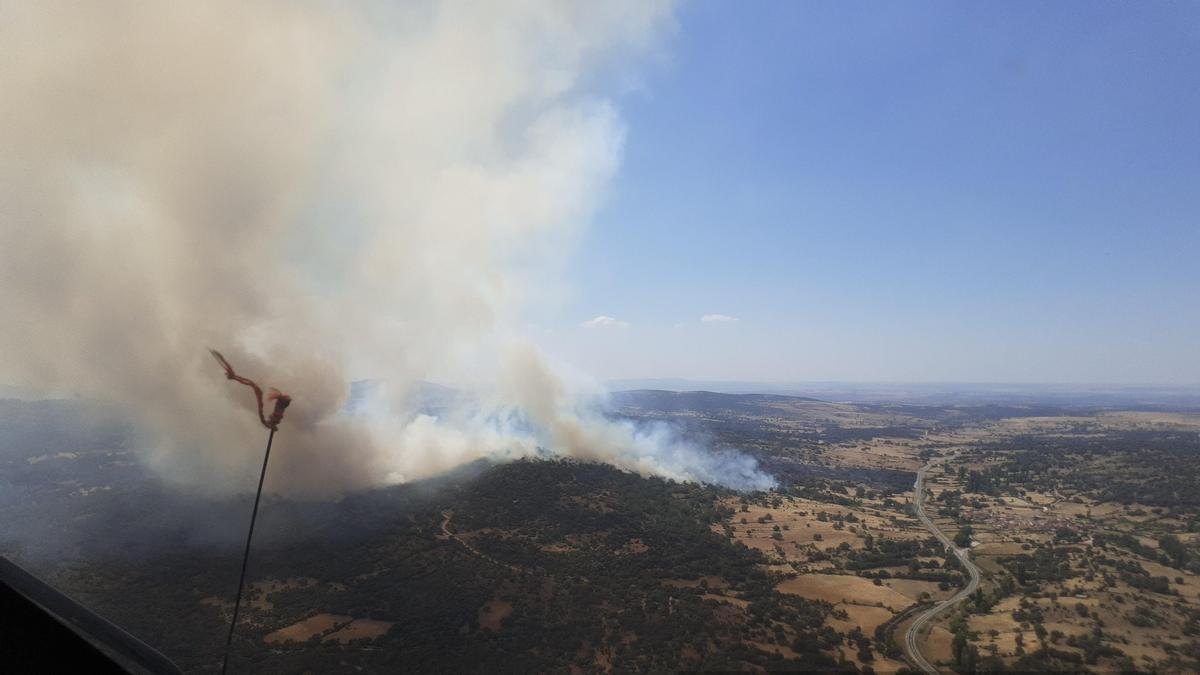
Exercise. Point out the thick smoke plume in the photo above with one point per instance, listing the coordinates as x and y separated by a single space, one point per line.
325 191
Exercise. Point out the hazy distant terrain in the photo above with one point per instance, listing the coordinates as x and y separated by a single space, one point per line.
1077 396
1084 522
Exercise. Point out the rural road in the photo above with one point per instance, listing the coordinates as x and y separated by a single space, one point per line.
448 534
964 556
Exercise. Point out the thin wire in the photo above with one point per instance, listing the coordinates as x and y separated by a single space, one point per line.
246 555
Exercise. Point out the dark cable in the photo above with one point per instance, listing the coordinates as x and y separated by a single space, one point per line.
246 555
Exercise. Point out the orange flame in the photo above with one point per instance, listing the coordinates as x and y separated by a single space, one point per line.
281 399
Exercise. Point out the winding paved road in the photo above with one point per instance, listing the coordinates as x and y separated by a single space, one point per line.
964 556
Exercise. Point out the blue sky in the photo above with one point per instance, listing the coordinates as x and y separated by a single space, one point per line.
1001 192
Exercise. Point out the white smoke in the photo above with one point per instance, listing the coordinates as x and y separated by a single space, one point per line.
323 191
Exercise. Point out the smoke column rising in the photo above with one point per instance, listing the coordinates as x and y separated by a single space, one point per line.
324 191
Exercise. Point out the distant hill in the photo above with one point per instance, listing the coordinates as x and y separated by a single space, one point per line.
1064 395
673 401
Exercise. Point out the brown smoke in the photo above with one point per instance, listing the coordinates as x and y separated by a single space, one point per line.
328 190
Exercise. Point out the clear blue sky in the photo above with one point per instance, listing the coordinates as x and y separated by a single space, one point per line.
939 191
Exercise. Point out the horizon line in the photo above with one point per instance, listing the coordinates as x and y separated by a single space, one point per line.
993 383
